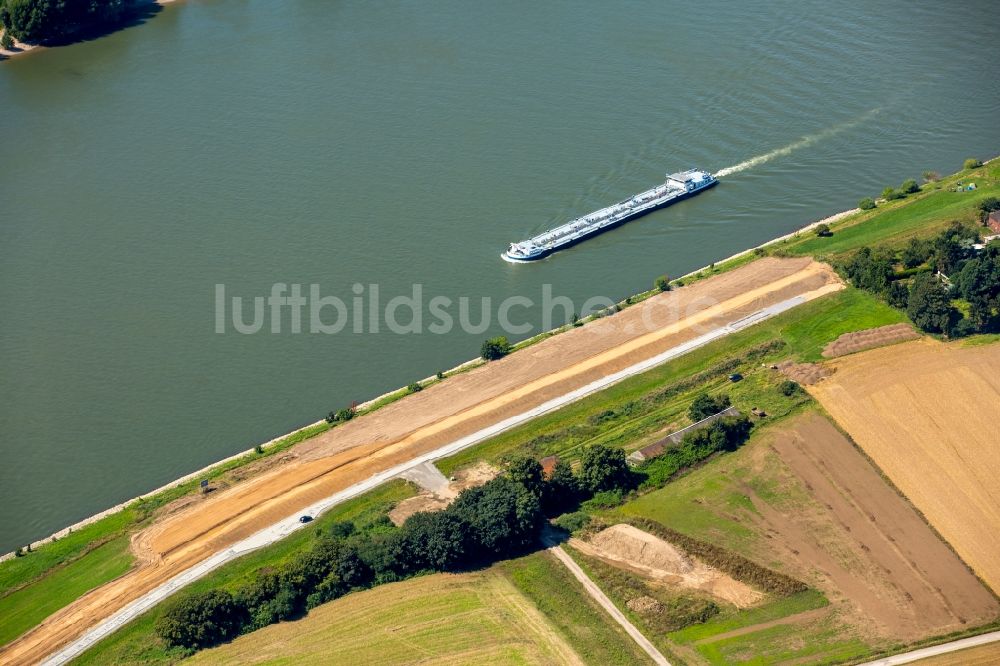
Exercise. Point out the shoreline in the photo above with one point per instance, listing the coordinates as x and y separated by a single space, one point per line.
20 48
373 401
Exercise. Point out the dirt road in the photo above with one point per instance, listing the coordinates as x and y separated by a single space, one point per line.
423 422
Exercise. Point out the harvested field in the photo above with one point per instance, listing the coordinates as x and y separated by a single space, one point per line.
849 343
653 558
927 413
883 557
463 404
804 373
438 619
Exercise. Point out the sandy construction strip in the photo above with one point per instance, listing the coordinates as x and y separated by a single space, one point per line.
927 413
456 413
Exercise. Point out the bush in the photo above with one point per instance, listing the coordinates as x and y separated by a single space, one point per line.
909 187
415 387
604 468
341 415
823 230
572 522
201 620
495 348
890 194
705 405
898 295
440 374
916 252
789 388
866 204
662 283
930 176
972 163
606 499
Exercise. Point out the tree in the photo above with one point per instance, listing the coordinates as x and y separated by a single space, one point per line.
6 41
495 348
979 284
435 540
662 283
972 163
869 270
561 491
201 620
928 305
341 415
790 388
527 471
604 468
866 204
503 516
705 405
898 295
415 387
823 230
916 252
948 250
909 187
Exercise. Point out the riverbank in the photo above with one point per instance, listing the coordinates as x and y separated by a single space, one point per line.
250 455
20 48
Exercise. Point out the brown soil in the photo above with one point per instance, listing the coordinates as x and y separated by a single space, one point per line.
469 477
427 420
928 413
804 373
644 606
628 547
881 555
848 343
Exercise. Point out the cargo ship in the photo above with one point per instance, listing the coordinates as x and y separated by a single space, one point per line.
676 187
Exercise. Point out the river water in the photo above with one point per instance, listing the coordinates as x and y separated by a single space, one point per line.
253 143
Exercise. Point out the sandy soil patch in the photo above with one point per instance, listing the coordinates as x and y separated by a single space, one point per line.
848 343
882 556
628 547
427 420
435 500
928 414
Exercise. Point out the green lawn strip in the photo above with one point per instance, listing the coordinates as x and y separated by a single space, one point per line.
564 602
824 642
20 571
23 609
806 330
137 640
772 610
856 310
895 222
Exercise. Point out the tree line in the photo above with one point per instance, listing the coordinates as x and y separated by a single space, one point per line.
944 268
41 21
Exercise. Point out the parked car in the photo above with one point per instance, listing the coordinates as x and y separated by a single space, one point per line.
305 519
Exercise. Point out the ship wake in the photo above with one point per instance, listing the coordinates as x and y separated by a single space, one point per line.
804 142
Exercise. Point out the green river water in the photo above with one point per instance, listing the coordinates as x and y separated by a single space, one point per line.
334 143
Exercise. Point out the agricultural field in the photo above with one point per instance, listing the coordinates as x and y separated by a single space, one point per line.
800 499
436 619
927 412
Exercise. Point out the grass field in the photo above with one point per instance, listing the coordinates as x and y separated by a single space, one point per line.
895 222
437 619
805 330
563 601
137 641
26 607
